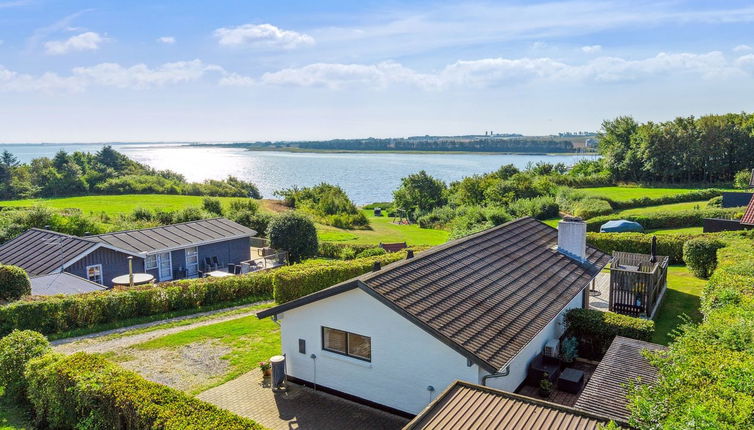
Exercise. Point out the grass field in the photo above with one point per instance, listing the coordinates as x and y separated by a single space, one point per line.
681 298
673 207
627 193
383 230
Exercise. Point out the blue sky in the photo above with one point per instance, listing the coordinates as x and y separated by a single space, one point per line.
75 71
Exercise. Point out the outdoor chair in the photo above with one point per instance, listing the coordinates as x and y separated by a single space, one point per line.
216 262
208 266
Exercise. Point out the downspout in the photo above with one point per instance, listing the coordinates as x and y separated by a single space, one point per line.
504 373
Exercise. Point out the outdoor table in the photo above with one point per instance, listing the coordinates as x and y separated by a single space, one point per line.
218 274
571 380
139 279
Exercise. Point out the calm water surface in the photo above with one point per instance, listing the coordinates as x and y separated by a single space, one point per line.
365 177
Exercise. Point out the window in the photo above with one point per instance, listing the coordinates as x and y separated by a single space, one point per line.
350 344
94 273
192 262
151 262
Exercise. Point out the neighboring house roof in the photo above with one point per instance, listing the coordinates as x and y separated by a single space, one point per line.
486 295
465 406
175 236
40 252
623 363
748 218
62 283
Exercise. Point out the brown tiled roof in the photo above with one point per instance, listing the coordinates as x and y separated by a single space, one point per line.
486 295
748 218
465 406
175 236
605 392
40 252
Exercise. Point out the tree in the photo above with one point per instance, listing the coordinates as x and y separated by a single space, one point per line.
212 205
295 233
420 192
14 283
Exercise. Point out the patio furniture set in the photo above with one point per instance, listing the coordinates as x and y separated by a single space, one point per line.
568 379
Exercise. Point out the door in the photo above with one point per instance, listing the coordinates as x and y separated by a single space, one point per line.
192 262
165 266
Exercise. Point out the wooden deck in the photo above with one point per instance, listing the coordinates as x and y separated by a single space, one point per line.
600 300
557 396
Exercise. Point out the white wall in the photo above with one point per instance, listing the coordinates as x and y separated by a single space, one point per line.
405 358
520 364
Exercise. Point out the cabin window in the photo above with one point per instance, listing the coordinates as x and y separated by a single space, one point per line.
350 344
151 262
94 273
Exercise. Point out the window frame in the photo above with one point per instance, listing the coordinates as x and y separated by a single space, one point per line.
346 354
146 262
101 274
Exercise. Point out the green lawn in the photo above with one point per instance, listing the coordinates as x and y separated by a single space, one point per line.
683 230
383 230
681 298
12 417
113 205
250 339
628 193
672 207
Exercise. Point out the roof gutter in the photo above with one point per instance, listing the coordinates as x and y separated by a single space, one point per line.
502 374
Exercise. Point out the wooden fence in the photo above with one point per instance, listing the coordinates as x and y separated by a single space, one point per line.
636 283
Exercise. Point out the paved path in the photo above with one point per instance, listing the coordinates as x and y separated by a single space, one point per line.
298 408
99 342
600 300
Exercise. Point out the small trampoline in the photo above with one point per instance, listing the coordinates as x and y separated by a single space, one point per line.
620 226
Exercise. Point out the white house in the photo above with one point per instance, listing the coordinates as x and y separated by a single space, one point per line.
477 309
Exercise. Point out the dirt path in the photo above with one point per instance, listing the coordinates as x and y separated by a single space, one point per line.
102 342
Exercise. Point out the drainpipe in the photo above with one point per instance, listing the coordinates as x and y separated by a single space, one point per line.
505 372
314 363
130 271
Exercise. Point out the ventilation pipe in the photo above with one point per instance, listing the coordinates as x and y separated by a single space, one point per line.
376 266
409 254
572 238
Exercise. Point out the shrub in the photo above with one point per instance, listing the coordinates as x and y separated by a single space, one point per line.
142 214
16 349
14 283
87 391
598 329
334 249
667 244
700 254
302 279
715 202
249 205
591 207
437 218
542 207
347 253
371 252
653 220
189 214
212 205
741 180
258 222
294 233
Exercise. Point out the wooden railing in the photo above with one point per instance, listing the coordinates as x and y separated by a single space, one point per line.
636 283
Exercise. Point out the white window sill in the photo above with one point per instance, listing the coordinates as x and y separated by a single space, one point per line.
346 359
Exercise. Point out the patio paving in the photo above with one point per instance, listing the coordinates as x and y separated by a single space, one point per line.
557 396
298 408
599 299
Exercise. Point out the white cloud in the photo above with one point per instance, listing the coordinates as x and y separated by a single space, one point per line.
341 75
89 41
264 35
139 76
539 45
592 49
742 48
168 40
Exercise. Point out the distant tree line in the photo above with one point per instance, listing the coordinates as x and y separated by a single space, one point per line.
481 144
105 172
710 148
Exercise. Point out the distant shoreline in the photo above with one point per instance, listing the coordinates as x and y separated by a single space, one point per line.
397 151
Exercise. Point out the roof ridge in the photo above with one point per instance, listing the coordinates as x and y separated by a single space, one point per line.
161 226
70 236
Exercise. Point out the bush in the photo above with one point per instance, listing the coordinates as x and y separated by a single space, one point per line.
653 220
14 283
700 254
142 214
258 222
294 233
302 279
335 250
87 391
543 207
348 253
438 217
667 244
16 349
591 207
742 178
189 214
212 205
371 252
715 202
598 329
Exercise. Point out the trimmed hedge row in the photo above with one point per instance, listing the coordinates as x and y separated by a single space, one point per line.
61 313
691 196
335 250
600 328
302 279
87 391
667 244
706 377
678 219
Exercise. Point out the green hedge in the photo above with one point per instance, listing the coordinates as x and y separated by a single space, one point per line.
667 244
87 391
302 279
598 329
706 377
335 250
691 196
591 207
700 254
654 220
